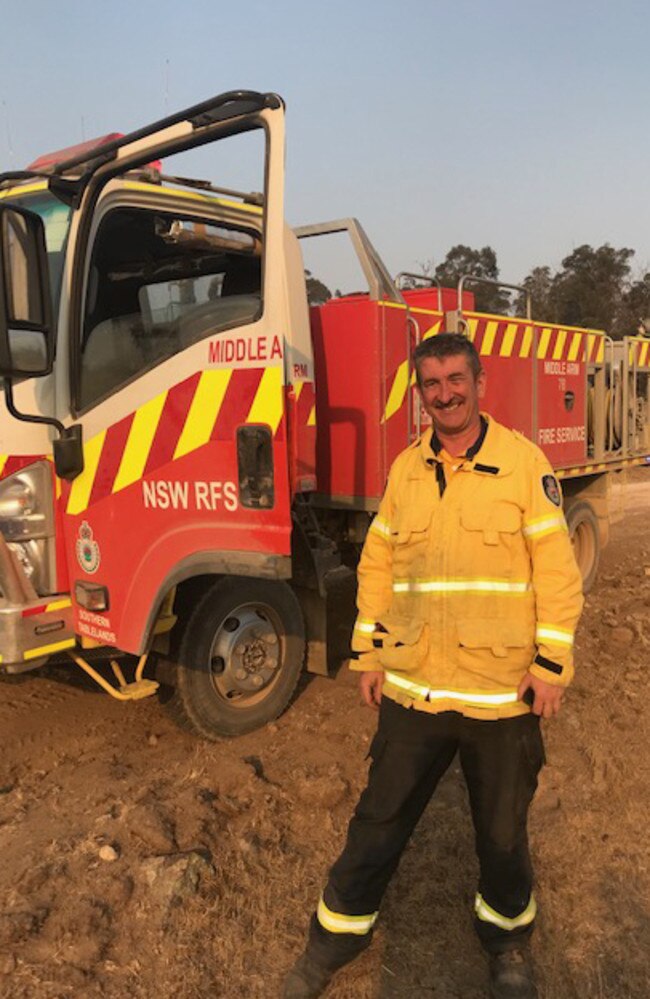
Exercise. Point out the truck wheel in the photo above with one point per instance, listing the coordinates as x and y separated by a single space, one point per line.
239 658
585 536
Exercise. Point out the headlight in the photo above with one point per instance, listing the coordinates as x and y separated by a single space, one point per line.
22 553
27 522
16 498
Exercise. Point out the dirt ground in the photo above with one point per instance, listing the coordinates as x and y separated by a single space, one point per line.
139 862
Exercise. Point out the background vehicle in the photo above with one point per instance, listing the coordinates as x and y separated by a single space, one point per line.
189 452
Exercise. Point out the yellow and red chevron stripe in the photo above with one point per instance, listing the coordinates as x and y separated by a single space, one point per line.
305 397
638 351
62 603
207 406
399 381
603 466
496 336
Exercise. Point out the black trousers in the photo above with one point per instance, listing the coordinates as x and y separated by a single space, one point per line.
411 751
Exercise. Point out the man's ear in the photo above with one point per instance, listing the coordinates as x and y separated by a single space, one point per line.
481 384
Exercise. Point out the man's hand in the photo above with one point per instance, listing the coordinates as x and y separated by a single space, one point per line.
547 696
371 683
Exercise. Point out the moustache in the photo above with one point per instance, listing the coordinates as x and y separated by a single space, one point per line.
446 405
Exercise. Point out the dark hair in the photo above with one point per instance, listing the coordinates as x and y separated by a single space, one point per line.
447 345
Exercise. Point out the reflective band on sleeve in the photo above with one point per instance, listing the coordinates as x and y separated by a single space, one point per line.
421 693
381 526
339 922
365 626
553 635
543 526
487 914
458 586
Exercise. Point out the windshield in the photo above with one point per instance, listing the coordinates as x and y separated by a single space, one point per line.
56 219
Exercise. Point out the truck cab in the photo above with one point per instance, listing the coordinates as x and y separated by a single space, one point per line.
161 495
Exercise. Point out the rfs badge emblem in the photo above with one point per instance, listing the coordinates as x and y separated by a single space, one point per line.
88 555
552 489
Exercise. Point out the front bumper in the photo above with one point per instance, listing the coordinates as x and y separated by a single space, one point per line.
30 633
32 628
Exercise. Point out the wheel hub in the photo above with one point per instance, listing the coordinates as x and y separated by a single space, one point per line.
245 653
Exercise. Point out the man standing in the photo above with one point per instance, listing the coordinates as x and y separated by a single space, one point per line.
469 596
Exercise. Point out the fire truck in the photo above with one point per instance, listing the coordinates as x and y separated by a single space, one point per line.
189 452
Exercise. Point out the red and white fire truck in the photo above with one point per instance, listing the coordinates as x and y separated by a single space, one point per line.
187 451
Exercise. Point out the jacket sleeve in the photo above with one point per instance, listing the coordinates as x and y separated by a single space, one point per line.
375 591
557 582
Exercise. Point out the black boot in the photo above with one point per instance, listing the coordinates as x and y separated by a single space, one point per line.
512 975
306 980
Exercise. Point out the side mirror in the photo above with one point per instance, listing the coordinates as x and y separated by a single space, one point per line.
26 333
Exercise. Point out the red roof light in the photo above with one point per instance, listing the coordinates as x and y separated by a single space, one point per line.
50 160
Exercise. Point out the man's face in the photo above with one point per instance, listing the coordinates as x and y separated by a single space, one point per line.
450 393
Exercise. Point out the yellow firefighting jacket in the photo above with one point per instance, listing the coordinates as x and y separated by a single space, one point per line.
465 586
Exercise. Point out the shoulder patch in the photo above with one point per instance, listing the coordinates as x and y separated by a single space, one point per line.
552 489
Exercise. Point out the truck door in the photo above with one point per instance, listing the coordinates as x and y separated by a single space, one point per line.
176 345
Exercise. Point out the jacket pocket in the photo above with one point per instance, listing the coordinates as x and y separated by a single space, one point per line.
412 525
497 636
404 645
496 523
410 538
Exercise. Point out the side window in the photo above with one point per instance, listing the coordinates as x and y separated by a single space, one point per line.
157 284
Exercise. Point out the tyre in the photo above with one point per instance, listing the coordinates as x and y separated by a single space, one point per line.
585 536
239 658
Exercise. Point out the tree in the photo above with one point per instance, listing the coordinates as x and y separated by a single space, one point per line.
633 315
317 292
539 285
591 287
462 260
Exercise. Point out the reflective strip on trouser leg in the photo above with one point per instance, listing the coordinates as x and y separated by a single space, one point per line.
487 914
340 922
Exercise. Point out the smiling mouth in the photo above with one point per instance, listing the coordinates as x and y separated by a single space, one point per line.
446 406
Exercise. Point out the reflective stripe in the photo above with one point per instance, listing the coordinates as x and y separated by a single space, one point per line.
365 626
268 402
487 914
458 586
339 922
47 650
381 526
421 693
59 604
554 635
544 525
138 443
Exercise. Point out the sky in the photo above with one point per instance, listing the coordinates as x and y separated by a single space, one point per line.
521 125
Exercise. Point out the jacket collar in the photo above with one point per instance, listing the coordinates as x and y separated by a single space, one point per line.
491 454
474 448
